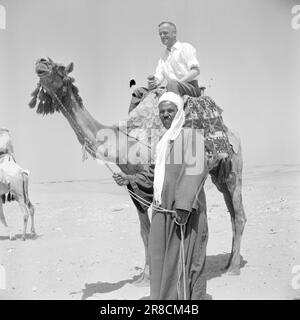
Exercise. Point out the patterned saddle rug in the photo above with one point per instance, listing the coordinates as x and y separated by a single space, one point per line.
203 113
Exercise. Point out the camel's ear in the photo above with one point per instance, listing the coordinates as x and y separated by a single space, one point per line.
69 67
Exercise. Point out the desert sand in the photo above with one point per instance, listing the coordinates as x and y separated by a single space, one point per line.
89 247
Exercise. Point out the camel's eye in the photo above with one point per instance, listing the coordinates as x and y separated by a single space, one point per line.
61 71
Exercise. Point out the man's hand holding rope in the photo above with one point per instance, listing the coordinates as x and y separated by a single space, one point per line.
121 178
181 216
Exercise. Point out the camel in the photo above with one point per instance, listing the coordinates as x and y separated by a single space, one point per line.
57 93
13 185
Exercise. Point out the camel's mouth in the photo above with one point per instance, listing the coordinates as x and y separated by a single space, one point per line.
42 68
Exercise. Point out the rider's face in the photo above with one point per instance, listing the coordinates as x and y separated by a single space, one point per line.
167 35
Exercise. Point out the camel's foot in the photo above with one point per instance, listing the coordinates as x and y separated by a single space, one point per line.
33 235
233 271
233 266
23 238
143 280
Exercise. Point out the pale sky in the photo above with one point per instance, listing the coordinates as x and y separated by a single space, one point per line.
248 48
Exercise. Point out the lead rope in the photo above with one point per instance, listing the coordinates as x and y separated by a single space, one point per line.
87 143
181 264
182 250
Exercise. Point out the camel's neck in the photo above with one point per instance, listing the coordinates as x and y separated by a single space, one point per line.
84 125
103 142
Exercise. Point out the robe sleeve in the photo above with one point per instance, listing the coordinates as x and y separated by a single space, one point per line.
193 173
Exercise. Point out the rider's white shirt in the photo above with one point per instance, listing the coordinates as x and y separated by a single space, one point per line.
176 63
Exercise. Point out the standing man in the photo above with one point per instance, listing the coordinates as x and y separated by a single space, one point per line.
177 69
178 232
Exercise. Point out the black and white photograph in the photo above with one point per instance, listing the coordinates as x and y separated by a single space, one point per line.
149 150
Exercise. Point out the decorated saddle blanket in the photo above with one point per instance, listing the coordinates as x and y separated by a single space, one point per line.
203 113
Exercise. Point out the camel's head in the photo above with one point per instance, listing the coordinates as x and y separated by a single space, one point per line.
54 85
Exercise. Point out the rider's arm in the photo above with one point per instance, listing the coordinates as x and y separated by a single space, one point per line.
191 75
189 55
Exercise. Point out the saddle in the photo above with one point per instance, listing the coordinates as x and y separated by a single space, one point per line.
200 113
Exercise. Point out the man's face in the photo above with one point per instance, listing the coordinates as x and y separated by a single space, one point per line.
167 35
167 112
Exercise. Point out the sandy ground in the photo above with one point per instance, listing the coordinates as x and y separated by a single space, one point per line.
89 247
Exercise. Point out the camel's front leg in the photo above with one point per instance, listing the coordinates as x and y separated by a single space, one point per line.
143 280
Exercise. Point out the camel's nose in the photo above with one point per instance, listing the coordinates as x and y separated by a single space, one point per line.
42 67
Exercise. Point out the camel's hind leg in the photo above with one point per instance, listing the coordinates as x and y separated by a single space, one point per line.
233 199
143 280
232 192
32 230
29 205
2 219
25 212
26 206
234 202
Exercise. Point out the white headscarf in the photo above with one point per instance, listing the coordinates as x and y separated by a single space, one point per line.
161 148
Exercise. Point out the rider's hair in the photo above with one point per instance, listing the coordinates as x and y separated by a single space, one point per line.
169 23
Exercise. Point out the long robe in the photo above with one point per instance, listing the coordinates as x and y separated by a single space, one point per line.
182 189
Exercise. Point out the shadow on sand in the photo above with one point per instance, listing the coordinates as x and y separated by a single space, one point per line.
104 287
214 267
19 237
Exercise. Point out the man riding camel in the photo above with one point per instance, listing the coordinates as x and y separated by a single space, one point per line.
177 69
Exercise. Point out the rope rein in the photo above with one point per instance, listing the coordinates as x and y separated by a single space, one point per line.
181 265
87 144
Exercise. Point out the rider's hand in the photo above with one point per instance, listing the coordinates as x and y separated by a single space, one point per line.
121 178
152 82
181 216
